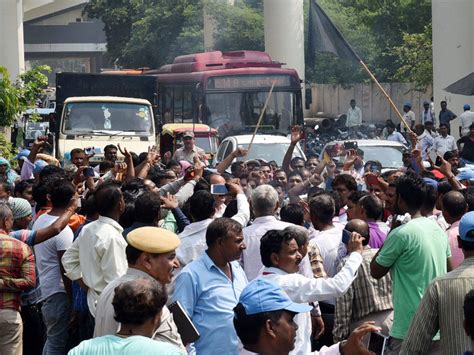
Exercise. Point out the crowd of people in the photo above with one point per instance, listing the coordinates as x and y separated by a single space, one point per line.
309 256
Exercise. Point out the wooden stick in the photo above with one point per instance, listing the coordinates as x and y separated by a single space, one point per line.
386 95
260 119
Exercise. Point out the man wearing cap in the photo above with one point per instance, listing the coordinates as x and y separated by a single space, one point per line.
264 322
17 274
151 255
467 119
189 150
441 306
409 115
209 288
446 116
427 115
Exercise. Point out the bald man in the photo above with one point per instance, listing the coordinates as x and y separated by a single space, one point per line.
373 296
454 207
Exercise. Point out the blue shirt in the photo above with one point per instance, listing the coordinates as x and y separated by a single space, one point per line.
209 297
113 344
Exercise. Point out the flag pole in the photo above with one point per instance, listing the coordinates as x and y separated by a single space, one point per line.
260 119
385 94
348 47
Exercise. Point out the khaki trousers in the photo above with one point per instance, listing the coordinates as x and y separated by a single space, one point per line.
11 325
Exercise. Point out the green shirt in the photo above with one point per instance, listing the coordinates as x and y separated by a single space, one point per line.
133 345
416 253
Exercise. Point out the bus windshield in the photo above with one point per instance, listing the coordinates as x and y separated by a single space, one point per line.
236 112
107 118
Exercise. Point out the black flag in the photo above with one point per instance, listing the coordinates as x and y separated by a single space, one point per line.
323 36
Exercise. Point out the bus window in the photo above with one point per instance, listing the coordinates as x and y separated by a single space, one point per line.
167 105
178 104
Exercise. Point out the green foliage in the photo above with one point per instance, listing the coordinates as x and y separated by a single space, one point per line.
376 27
415 59
239 26
7 150
149 32
9 99
22 94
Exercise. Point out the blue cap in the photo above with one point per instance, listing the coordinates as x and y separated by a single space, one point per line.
467 107
431 182
22 155
407 104
262 295
39 165
465 174
466 225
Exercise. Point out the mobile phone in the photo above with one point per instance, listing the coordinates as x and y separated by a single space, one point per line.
371 179
438 161
219 189
377 343
350 145
89 172
374 168
346 236
186 328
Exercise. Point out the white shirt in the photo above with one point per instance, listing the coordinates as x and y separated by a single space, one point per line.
466 119
354 117
193 241
328 243
251 258
193 237
105 324
410 117
397 137
46 254
444 144
98 256
301 289
427 116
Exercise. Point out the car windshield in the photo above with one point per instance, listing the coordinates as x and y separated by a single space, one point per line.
388 156
107 117
269 152
237 112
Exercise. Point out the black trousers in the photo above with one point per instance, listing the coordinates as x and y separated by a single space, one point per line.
34 330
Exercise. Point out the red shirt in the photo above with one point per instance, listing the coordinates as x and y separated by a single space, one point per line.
17 271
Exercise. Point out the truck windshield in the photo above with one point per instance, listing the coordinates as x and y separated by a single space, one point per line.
232 113
114 117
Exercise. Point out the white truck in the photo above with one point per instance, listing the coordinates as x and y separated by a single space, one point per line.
95 110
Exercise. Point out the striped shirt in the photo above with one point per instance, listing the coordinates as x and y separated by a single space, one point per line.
442 309
17 271
366 295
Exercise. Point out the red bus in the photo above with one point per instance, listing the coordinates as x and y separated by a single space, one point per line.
227 91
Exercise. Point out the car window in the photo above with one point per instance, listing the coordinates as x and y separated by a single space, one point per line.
229 149
220 153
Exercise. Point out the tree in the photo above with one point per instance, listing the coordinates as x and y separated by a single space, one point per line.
374 28
149 32
16 97
415 59
239 26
